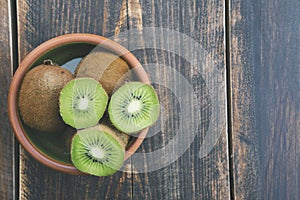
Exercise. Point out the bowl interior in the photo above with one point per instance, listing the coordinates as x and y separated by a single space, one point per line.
55 145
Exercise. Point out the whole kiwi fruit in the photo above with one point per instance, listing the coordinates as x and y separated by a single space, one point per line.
106 67
39 97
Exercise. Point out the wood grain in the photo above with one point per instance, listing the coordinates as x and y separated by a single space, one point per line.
188 177
245 152
6 135
39 21
265 98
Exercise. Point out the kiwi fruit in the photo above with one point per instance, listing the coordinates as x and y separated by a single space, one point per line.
133 107
106 67
39 96
82 102
98 150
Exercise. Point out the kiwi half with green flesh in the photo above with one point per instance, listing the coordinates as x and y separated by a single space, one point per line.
82 102
133 107
39 97
106 67
97 150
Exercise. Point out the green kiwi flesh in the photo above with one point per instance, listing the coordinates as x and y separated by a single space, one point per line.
39 97
82 102
133 107
106 67
97 151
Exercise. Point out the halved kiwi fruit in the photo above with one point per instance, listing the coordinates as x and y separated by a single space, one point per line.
82 102
98 150
133 107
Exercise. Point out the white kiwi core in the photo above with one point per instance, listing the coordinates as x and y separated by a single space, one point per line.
97 152
83 103
134 106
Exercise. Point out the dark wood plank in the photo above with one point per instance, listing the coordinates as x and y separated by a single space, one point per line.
39 21
6 135
188 177
265 88
245 153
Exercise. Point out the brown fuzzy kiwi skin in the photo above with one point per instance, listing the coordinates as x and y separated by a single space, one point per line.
119 136
106 67
39 97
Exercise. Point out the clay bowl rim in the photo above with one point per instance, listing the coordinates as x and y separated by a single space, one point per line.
27 63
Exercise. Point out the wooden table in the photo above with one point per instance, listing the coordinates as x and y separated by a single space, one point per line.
253 45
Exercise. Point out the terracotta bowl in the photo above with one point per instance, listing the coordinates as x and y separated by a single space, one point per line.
48 149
